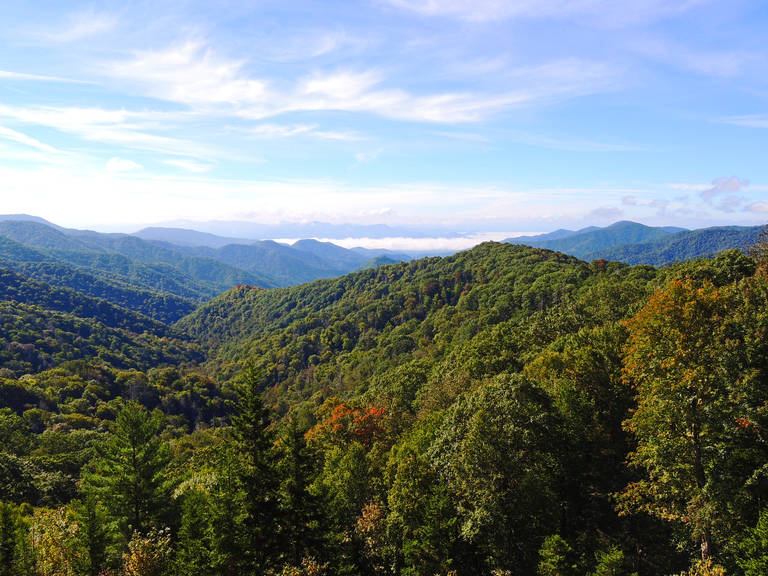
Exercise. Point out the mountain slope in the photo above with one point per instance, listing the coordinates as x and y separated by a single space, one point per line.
187 237
331 253
124 258
364 323
682 246
284 264
588 241
35 339
162 306
24 290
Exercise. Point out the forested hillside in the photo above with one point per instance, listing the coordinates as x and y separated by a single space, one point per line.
635 243
505 411
683 246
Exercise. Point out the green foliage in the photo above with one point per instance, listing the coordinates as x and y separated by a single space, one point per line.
302 529
609 563
495 453
11 533
195 547
129 473
94 535
437 417
682 246
556 558
257 474
23 290
682 359
158 304
34 340
753 551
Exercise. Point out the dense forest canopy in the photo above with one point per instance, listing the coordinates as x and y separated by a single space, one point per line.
506 410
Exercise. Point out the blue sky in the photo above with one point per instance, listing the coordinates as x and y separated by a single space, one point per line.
484 116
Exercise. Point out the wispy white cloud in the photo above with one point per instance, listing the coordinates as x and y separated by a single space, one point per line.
20 138
367 156
346 136
721 63
605 213
723 186
573 145
122 165
758 207
269 131
10 75
279 130
749 121
305 44
81 25
593 11
194 75
116 127
190 166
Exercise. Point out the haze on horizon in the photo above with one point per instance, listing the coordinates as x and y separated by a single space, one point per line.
484 117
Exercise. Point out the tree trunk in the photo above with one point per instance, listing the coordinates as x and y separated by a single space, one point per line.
706 536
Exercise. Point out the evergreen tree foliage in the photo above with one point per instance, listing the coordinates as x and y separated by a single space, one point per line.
556 557
129 474
194 547
11 532
258 476
301 510
95 534
753 553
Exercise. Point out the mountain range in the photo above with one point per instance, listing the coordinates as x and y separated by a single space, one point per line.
416 397
167 273
163 274
635 243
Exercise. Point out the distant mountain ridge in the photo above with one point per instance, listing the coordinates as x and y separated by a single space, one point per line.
161 279
687 245
258 231
635 243
582 243
188 237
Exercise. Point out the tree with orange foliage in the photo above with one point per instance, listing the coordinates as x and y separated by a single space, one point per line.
341 422
677 360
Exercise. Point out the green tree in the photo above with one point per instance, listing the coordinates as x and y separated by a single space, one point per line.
759 250
753 552
497 453
11 532
301 510
610 563
255 444
194 549
96 535
129 475
679 359
422 523
556 557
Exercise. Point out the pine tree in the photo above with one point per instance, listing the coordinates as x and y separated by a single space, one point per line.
301 518
255 442
129 475
194 548
9 526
